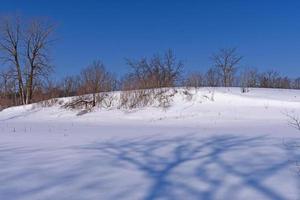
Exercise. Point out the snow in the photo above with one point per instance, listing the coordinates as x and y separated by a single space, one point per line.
218 144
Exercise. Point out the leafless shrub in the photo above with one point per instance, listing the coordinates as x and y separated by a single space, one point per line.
151 97
211 95
48 103
187 93
293 119
244 89
135 99
80 102
87 101
105 100
164 97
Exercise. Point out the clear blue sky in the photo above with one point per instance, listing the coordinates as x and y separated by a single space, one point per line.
266 33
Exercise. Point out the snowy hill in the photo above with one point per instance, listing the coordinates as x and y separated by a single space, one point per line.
225 103
209 143
208 107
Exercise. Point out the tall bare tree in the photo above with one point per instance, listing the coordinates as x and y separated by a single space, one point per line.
24 46
226 62
11 47
37 40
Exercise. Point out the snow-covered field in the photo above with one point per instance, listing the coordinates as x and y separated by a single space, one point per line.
218 144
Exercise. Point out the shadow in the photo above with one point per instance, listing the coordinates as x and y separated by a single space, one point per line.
187 167
82 112
205 155
23 114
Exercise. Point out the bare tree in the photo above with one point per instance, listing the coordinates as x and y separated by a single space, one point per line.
24 46
96 79
37 40
296 83
284 82
157 72
212 78
268 79
195 79
249 77
7 89
129 82
70 85
226 62
5 78
10 47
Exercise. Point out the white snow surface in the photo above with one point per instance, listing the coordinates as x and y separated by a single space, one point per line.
218 144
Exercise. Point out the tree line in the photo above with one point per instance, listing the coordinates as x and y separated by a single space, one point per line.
25 75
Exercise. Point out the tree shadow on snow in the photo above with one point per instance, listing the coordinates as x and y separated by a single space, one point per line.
192 168
187 167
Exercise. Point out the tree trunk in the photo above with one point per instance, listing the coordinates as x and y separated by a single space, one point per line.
29 87
20 81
